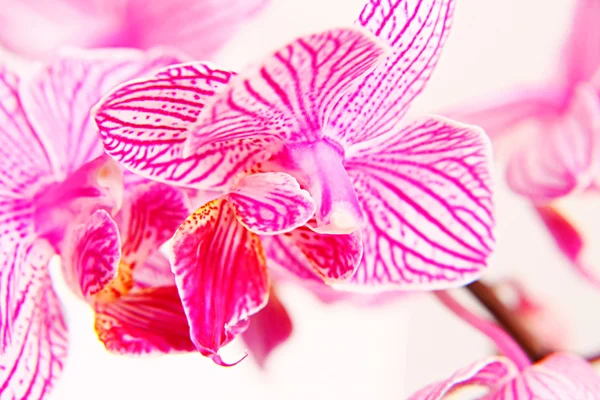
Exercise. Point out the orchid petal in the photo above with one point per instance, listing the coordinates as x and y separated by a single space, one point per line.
426 193
289 96
144 322
269 328
24 162
91 259
563 157
58 97
557 377
221 276
489 374
33 334
271 203
144 124
417 31
155 272
582 49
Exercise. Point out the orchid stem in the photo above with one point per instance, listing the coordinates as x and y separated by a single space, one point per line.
488 298
503 341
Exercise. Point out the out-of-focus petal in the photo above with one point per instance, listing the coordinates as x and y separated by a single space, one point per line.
489 373
268 328
427 196
144 124
91 256
308 254
155 272
58 97
221 275
33 334
271 203
562 157
557 377
144 321
582 49
417 31
25 164
289 96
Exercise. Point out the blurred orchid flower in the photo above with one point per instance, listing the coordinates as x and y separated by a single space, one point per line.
562 153
114 264
199 27
557 377
307 149
52 175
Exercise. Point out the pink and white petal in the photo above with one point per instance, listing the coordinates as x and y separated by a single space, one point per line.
221 276
269 328
557 377
426 194
199 28
562 157
151 215
416 30
581 52
91 255
489 373
33 342
25 164
144 124
289 95
58 97
155 272
271 203
144 321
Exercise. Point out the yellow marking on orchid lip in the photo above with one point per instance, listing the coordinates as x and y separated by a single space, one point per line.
343 221
119 286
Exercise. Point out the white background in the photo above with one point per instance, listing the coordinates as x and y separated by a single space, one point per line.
343 351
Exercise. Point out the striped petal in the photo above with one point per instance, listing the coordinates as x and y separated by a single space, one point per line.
145 321
33 334
563 156
25 165
271 203
426 194
487 374
269 328
92 254
417 31
581 53
221 275
58 97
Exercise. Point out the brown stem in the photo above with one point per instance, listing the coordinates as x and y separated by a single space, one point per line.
487 297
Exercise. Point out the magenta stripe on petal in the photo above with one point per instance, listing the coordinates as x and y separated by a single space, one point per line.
426 193
417 31
221 276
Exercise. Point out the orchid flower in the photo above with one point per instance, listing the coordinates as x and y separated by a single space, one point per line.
559 376
197 27
307 156
53 174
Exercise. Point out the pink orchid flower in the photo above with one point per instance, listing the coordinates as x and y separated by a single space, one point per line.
198 27
559 376
307 149
52 175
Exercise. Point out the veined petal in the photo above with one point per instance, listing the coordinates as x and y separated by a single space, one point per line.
563 156
426 194
417 31
269 328
33 334
271 203
90 259
155 272
144 124
489 373
221 276
58 97
290 95
581 53
144 321
24 164
557 377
